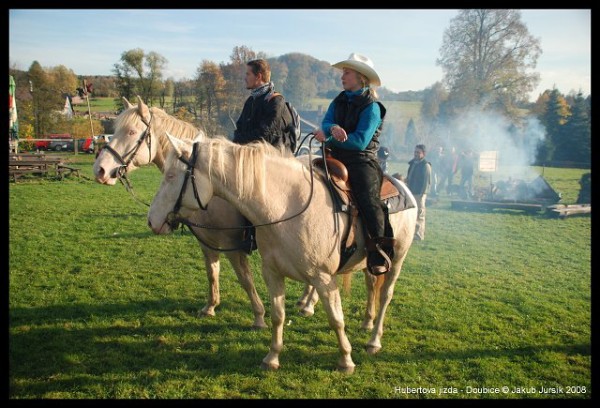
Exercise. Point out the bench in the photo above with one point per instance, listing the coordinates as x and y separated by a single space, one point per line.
16 173
62 168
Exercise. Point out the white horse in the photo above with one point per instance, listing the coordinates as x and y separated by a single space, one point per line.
298 238
140 139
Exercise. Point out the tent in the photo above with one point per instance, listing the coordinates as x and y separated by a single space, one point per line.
13 123
68 109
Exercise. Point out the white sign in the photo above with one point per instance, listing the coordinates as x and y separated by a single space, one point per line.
488 161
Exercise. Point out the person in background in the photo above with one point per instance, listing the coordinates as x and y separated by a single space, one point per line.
264 117
467 164
382 155
436 159
351 129
418 179
448 170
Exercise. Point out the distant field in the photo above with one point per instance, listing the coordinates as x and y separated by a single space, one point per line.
98 105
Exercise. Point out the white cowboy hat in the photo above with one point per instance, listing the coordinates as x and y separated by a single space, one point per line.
362 64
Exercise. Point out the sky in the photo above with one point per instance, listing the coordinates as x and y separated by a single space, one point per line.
402 43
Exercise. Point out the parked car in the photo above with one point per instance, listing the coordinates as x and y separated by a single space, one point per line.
86 145
48 144
61 146
103 138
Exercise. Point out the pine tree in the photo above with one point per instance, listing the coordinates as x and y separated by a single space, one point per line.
557 112
575 144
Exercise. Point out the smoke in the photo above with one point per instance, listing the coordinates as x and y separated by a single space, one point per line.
480 131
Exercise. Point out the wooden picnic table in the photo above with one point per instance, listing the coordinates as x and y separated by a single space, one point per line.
26 156
18 166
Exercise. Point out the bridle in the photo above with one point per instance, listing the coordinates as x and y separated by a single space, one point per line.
174 219
128 157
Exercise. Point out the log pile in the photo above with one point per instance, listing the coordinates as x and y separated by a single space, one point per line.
566 210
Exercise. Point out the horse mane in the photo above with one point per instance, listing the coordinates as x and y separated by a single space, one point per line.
163 122
248 163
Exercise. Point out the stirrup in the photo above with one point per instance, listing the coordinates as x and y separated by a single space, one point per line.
377 245
380 269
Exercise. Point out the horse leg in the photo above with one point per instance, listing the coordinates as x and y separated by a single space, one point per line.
332 302
370 280
386 292
240 264
307 301
276 285
211 261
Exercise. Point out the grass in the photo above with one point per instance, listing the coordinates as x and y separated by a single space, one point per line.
98 105
101 308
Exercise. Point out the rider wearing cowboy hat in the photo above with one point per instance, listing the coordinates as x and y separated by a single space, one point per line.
351 129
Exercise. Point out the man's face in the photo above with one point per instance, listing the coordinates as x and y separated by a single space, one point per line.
419 154
252 81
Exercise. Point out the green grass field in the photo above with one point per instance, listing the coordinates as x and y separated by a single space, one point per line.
100 308
98 105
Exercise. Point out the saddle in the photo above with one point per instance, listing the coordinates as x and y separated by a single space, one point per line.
339 178
344 200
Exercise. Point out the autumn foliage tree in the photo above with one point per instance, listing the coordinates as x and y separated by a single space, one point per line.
486 56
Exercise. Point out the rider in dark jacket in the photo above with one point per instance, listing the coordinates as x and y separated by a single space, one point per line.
265 115
351 129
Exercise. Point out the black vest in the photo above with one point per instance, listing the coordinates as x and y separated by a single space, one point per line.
346 115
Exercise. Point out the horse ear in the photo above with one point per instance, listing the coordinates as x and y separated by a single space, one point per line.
198 138
143 109
176 143
127 103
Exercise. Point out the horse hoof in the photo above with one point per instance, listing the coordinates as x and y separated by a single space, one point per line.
306 312
269 367
372 350
346 370
210 313
259 326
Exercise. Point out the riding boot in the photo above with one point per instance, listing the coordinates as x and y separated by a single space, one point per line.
380 252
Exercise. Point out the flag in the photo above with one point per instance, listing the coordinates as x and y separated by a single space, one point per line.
13 123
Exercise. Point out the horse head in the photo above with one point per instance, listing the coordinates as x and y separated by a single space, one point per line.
183 189
132 144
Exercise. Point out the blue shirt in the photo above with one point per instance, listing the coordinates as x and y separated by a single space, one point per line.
368 122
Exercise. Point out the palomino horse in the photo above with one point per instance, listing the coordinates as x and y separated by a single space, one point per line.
139 139
297 237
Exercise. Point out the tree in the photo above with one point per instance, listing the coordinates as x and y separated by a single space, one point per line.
541 103
575 143
554 117
140 74
485 56
432 99
210 86
47 97
64 80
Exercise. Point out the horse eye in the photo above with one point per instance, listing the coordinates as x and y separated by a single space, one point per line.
132 132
